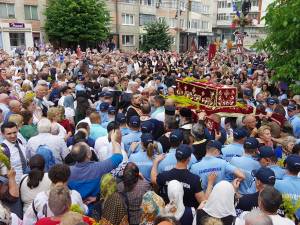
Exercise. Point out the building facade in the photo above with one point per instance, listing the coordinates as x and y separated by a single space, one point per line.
224 13
21 23
190 21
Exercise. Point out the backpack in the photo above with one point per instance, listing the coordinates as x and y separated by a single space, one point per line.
47 154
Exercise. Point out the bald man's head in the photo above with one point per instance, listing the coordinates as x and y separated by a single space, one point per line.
249 121
4 98
15 106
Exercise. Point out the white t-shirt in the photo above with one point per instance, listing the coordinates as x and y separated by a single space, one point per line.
278 220
28 194
41 202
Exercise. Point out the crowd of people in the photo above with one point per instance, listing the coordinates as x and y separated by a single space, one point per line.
91 137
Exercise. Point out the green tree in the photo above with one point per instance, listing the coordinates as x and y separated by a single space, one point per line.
283 41
156 37
75 21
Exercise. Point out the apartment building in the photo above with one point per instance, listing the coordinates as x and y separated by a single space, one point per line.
21 23
190 21
224 14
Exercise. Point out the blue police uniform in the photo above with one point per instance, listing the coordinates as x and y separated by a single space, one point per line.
289 185
247 164
210 164
124 131
169 162
279 171
231 150
295 122
132 136
143 162
139 148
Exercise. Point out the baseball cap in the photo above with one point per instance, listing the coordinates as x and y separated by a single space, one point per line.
291 107
292 162
265 152
3 180
147 126
248 92
183 152
121 118
107 94
176 136
214 144
271 101
104 106
147 138
170 110
134 121
239 133
185 112
111 110
265 175
81 78
251 143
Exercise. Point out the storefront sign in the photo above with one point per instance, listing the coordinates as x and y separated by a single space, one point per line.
17 25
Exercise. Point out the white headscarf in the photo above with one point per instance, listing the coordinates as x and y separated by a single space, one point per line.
175 193
221 201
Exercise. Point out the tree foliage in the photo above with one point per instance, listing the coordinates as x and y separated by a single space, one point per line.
157 36
73 21
283 40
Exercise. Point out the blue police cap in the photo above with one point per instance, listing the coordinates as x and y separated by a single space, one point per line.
251 143
176 136
214 144
112 110
104 106
265 175
134 121
147 138
265 152
183 152
291 107
239 133
121 118
293 162
147 126
248 92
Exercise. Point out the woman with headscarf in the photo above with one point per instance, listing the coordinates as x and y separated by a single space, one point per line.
113 210
176 207
152 206
69 107
220 204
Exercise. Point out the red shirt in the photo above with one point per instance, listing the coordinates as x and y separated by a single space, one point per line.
49 221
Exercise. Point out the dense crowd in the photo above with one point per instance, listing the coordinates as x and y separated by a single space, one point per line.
95 137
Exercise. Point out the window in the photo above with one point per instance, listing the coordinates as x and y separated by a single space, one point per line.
253 15
128 40
182 23
17 39
172 23
199 7
31 12
222 16
129 1
7 10
147 2
254 3
223 4
146 18
205 25
127 19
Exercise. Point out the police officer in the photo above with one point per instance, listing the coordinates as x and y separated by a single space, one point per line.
121 119
271 104
248 97
268 158
290 183
134 134
146 127
211 163
103 111
144 158
294 119
111 111
247 163
236 148
169 162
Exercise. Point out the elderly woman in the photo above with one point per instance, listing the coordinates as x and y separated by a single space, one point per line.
152 206
112 202
264 136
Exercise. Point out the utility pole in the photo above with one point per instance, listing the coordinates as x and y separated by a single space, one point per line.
178 27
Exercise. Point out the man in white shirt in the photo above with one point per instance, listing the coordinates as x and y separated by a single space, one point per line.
14 149
55 143
103 145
